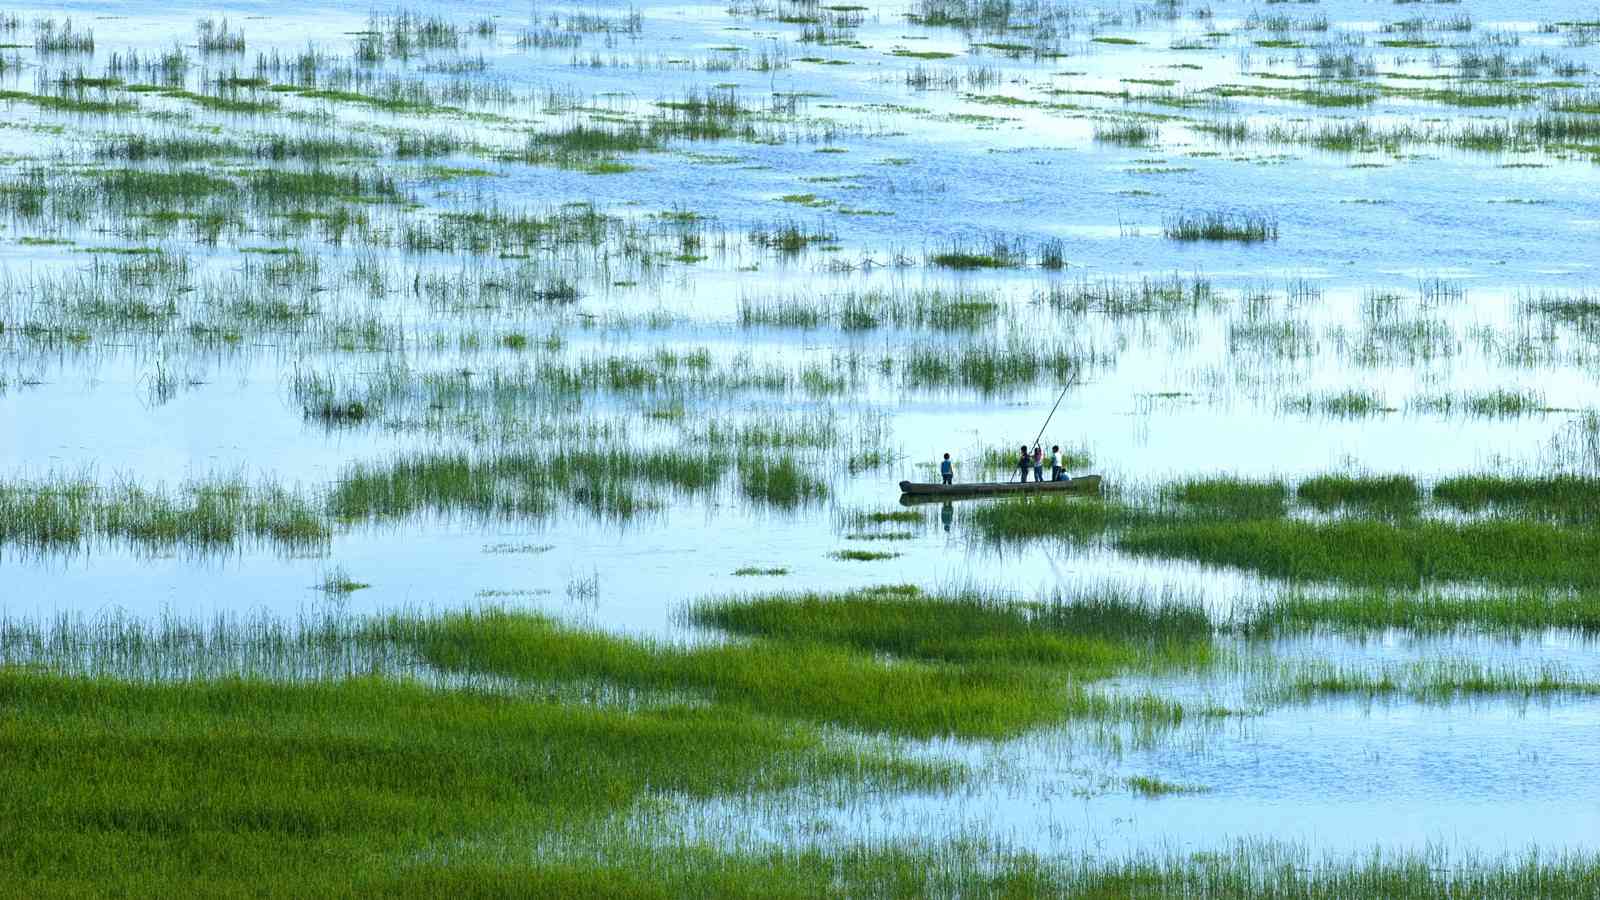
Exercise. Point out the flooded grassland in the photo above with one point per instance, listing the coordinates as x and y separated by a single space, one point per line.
456 448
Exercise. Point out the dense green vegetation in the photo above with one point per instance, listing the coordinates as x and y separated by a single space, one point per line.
1375 610
288 790
818 672
1392 493
1092 635
238 784
206 515
1441 681
1232 496
1568 498
1243 524
1368 552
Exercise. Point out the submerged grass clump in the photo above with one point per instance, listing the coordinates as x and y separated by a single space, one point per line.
779 480
1094 634
1497 404
997 252
1566 498
853 555
1240 497
1392 493
1069 518
1347 404
1245 227
902 516
1127 134
960 309
1440 681
204 515
1148 786
520 485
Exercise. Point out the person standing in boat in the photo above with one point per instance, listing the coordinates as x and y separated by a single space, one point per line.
1025 462
1038 463
947 470
1058 467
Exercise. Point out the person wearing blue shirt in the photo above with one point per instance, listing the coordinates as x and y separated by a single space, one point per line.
947 470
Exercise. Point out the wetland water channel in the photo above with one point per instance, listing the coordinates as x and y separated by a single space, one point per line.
599 312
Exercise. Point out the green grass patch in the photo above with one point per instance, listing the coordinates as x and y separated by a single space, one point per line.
227 104
961 260
1496 404
1147 786
749 571
1066 518
808 680
339 582
853 555
1347 404
68 103
1407 553
1568 498
394 104
1221 226
881 536
780 481
1127 134
1394 493
204 515
1360 612
898 516
222 787
1095 635
1440 681
1234 497
523 485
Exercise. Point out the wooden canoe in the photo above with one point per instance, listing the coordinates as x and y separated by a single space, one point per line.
917 492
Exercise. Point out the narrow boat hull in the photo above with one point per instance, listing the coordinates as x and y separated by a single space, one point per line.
916 492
